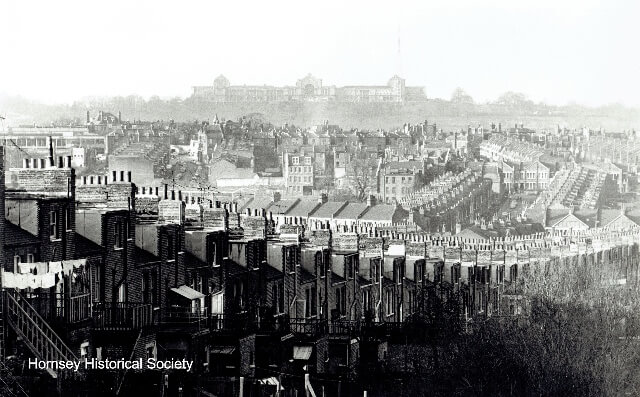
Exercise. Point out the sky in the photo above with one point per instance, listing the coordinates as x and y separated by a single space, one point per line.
558 52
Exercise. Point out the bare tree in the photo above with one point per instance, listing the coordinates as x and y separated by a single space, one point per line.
362 175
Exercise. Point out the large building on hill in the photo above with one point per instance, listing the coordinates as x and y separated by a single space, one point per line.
310 89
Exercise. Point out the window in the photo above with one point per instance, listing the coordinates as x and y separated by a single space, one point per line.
53 224
320 264
16 262
366 299
96 285
455 274
171 249
238 294
349 266
310 302
513 272
307 160
289 260
295 160
67 221
419 272
122 293
341 300
84 349
412 300
152 292
278 298
117 235
389 302
150 349
374 270
196 282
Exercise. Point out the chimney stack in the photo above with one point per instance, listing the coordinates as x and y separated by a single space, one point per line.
51 161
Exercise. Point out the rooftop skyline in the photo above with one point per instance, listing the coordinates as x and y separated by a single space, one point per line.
556 53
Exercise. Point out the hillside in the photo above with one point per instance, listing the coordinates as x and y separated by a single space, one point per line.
445 114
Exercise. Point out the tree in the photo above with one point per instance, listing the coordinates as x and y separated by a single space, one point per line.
362 173
514 100
461 97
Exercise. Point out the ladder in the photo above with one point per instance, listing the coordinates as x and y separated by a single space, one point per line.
39 337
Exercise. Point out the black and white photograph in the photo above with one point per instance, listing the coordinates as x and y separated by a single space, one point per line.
319 198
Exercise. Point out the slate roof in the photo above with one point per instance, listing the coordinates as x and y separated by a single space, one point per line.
258 203
270 273
328 209
192 261
86 247
282 206
306 276
15 235
352 211
302 208
336 278
144 256
379 212
234 269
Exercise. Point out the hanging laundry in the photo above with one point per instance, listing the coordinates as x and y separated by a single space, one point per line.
55 267
42 268
26 267
78 263
48 280
8 280
34 281
67 267
22 281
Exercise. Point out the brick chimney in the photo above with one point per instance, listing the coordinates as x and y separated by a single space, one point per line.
371 200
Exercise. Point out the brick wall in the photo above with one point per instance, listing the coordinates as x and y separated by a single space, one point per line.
50 181
247 355
118 266
172 273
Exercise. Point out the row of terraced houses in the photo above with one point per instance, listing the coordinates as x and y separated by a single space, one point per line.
96 268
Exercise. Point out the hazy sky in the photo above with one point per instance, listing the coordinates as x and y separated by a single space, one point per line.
556 51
